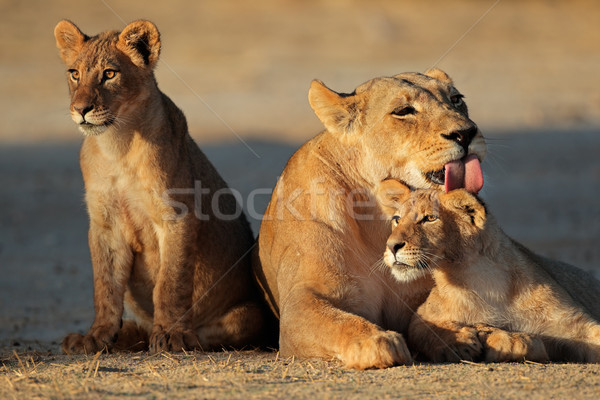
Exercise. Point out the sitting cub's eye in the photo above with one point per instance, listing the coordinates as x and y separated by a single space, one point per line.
404 111
429 218
457 99
74 74
110 73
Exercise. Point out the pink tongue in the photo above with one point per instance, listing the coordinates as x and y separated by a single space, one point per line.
465 173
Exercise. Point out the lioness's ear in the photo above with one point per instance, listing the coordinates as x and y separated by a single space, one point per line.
69 40
336 111
140 40
440 75
466 204
390 194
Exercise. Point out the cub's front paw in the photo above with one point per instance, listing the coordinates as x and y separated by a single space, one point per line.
173 340
382 350
456 345
98 338
503 346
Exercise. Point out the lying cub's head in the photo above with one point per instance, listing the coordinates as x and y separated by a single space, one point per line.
412 127
110 74
430 228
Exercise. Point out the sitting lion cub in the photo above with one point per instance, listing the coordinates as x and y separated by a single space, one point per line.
163 249
491 295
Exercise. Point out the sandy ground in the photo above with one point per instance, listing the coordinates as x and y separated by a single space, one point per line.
241 71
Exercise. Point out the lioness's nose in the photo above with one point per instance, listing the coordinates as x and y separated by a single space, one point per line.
463 137
83 109
395 246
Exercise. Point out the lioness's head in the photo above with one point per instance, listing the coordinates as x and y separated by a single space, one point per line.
430 229
110 75
413 127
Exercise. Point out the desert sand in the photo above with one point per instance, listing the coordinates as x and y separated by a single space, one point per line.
241 71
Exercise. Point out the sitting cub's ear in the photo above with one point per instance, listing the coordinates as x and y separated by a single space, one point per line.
466 205
336 111
440 75
391 194
69 40
140 40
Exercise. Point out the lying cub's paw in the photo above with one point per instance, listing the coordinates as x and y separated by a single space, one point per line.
173 340
382 350
98 338
454 346
503 346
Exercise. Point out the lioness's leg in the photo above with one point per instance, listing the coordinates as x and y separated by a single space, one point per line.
311 326
111 261
443 341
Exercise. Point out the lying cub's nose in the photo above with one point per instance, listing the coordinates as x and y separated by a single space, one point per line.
83 109
395 246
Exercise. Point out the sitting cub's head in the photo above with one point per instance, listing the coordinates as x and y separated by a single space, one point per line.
412 127
429 229
110 75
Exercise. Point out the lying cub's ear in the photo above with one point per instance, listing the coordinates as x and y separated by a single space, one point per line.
466 205
69 40
336 111
140 40
391 194
440 75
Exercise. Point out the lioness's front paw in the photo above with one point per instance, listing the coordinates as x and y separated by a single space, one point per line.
173 340
503 346
98 338
382 350
454 346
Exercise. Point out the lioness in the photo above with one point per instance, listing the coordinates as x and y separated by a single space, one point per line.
491 294
321 234
162 249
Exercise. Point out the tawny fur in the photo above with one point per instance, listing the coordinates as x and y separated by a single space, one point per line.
319 259
493 299
159 253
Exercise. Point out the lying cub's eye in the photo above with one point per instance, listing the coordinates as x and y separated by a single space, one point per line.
74 74
109 74
403 111
429 218
457 99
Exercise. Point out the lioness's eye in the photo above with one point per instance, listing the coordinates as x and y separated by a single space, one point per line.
457 99
403 111
109 74
395 219
74 74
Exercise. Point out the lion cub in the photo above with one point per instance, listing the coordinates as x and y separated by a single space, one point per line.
169 243
492 297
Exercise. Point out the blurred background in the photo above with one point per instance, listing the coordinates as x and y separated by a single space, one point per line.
240 70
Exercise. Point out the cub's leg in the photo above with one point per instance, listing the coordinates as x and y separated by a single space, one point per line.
576 340
111 261
131 337
502 346
241 325
443 341
312 326
172 293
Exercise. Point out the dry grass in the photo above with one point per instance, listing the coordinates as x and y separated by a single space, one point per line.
257 374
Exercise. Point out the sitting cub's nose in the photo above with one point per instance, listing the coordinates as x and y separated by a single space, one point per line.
83 109
395 246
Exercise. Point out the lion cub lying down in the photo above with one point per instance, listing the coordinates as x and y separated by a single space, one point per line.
493 298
